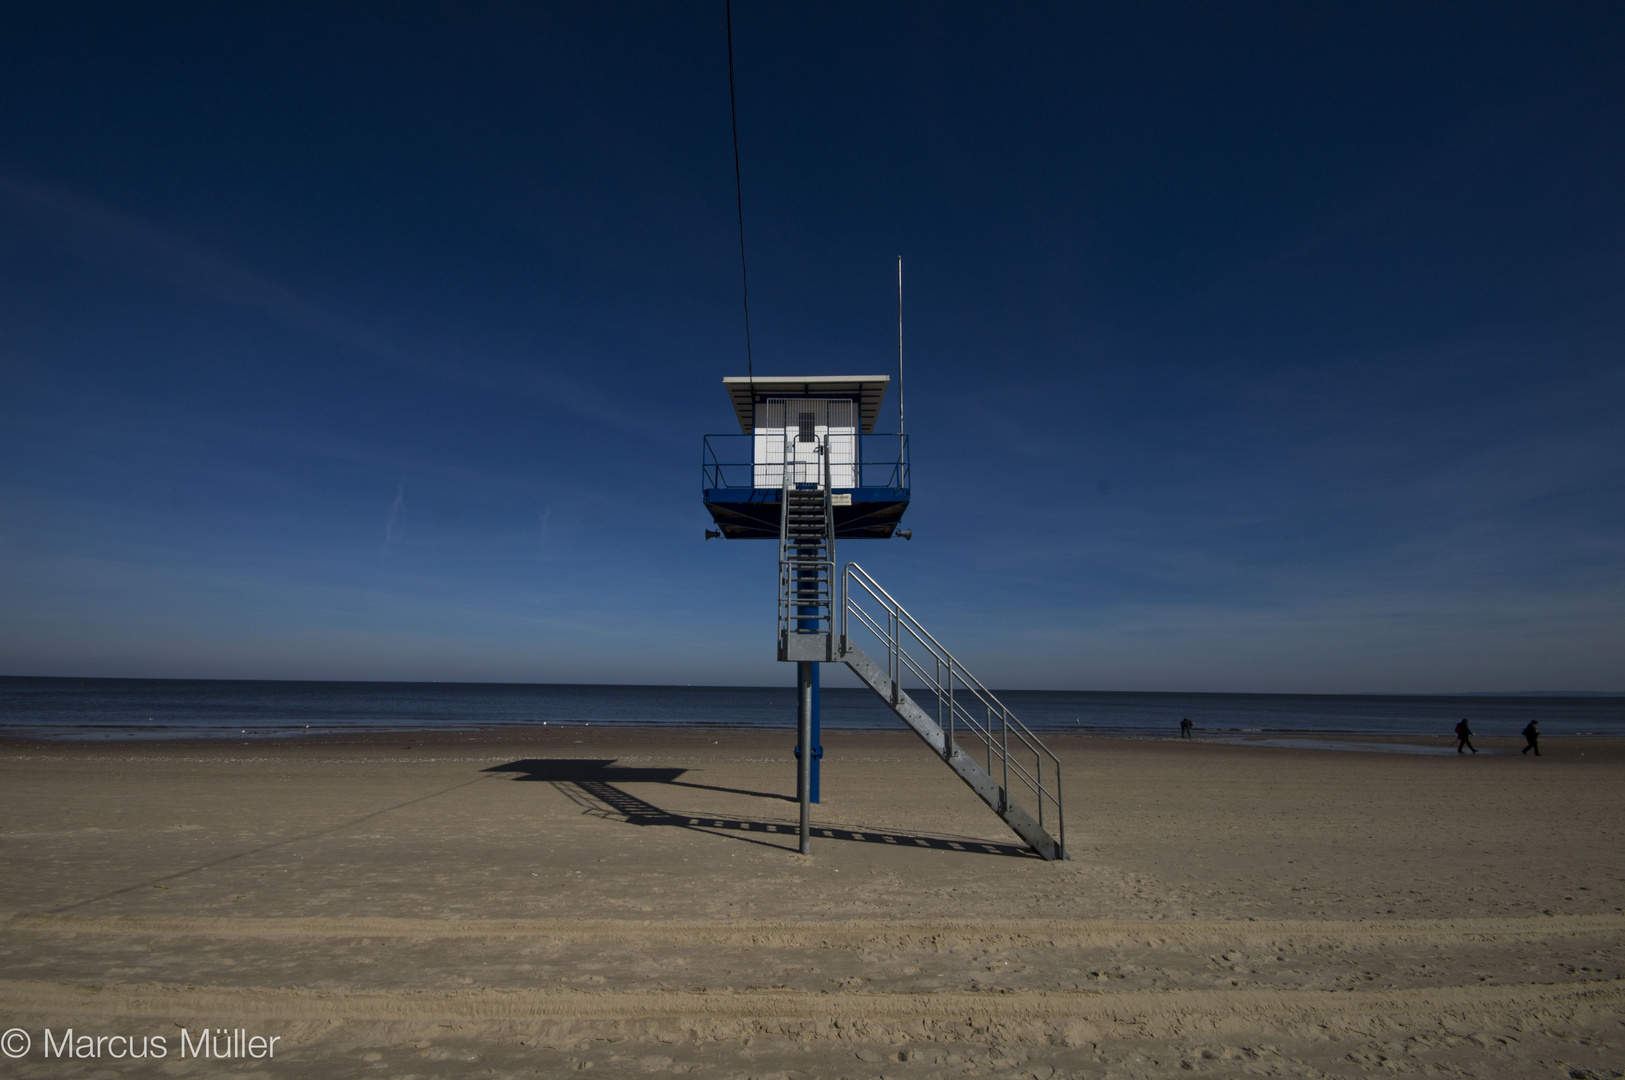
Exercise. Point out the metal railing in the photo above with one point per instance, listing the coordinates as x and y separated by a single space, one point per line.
728 461
965 708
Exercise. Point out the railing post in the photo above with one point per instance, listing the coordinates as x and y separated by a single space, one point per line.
1038 770
896 658
1004 748
840 599
1060 811
989 740
936 687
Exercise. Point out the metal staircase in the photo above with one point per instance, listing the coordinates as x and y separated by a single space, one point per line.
995 754
807 560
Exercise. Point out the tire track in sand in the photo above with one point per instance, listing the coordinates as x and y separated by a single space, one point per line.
846 933
1149 1012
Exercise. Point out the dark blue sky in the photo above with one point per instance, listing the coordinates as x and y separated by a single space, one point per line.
1249 347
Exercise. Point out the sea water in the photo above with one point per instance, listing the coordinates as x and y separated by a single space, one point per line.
107 709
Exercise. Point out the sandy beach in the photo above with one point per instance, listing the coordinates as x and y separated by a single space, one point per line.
630 902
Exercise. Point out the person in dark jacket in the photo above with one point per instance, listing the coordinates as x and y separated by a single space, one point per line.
1464 737
1185 728
1531 735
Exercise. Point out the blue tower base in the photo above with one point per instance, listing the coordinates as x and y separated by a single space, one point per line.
809 672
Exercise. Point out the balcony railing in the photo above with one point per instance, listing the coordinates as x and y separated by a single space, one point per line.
727 461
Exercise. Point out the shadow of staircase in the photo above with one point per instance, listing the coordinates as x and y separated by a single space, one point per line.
593 784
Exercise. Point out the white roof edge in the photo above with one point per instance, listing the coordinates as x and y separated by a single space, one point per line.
768 380
742 391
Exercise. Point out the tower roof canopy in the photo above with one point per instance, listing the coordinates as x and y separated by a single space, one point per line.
867 390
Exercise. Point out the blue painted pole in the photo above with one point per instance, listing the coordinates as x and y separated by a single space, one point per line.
808 730
817 736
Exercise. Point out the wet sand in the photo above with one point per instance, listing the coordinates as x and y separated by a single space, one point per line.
631 902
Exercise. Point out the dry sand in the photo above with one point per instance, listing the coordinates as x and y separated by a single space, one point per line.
630 902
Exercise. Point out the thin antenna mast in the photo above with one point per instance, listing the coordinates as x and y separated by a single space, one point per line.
739 200
899 358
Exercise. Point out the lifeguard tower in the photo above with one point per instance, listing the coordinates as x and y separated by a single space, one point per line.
808 469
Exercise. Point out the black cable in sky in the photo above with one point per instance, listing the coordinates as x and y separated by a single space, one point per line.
739 194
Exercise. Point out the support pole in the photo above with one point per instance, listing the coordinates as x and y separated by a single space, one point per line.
817 733
804 758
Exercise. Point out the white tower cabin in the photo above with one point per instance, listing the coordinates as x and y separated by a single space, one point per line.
805 423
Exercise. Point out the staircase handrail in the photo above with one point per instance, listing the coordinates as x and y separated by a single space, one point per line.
899 658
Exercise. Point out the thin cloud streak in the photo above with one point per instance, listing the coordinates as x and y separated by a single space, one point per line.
394 513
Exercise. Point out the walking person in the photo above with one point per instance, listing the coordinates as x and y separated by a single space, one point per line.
1531 735
1185 728
1464 737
